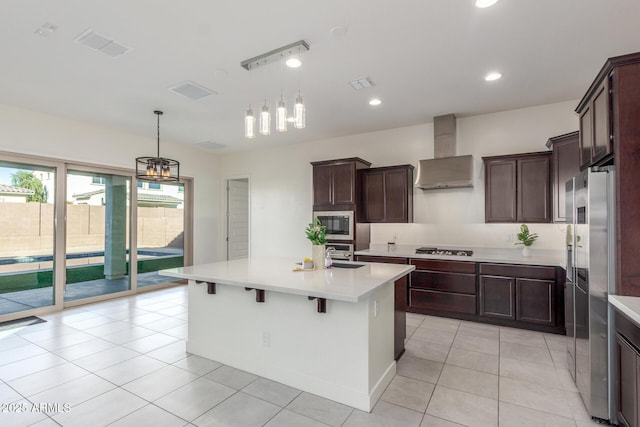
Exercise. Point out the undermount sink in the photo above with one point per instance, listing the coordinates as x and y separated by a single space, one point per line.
343 265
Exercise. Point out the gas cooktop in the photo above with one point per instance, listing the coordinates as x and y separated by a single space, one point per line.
451 252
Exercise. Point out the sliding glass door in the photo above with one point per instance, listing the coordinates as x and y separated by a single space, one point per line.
27 236
98 235
161 231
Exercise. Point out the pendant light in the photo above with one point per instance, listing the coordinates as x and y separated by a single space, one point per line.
265 120
249 124
299 113
281 116
157 169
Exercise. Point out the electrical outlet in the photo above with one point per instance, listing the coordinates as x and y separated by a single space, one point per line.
510 237
265 339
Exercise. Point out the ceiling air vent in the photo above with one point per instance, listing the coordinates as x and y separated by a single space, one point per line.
362 83
211 145
191 90
101 43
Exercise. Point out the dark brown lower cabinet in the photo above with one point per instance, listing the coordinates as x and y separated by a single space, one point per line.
525 294
400 316
520 296
400 302
496 297
535 301
628 371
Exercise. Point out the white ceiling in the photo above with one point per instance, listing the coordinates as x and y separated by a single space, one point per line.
426 57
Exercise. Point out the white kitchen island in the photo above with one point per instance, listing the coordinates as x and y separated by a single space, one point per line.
327 332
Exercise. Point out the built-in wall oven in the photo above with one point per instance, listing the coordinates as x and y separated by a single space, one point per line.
339 224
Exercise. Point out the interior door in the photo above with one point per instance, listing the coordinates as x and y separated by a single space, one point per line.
237 218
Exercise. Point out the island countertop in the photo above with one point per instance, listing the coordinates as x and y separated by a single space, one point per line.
276 274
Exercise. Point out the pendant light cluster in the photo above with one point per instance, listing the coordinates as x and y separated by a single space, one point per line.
281 117
157 169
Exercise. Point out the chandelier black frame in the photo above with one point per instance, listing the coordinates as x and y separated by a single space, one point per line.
157 169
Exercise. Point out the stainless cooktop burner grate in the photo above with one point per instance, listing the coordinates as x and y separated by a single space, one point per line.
450 252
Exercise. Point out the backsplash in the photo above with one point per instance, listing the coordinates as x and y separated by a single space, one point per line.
550 236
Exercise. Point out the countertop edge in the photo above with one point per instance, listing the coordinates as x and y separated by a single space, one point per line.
174 272
622 304
533 260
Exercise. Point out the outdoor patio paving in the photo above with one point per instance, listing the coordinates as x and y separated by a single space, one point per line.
12 302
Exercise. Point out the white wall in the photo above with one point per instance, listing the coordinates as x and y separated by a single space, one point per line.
280 177
281 181
28 132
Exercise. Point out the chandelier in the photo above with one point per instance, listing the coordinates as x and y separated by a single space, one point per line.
157 169
282 118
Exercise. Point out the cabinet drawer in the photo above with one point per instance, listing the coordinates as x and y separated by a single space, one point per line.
441 265
447 282
510 270
443 301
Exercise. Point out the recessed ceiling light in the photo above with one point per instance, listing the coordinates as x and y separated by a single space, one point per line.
492 76
485 3
375 101
293 63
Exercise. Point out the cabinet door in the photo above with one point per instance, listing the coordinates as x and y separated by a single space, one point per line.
322 181
396 195
400 316
344 178
534 200
627 383
496 297
601 144
500 191
535 301
565 165
586 137
373 196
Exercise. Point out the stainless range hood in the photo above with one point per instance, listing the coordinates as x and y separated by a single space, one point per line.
445 170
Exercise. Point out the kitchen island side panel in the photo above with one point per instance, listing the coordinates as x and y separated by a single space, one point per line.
345 354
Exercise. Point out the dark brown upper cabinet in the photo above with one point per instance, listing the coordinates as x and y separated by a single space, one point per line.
387 194
518 188
565 164
596 136
613 104
335 185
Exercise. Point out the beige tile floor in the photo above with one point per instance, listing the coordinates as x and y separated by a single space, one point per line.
123 363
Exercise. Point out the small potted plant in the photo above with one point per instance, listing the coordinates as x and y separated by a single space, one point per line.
317 235
526 239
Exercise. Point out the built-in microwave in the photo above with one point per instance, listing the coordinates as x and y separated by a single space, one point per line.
339 224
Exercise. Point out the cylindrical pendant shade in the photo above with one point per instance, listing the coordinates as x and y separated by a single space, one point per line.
249 124
265 120
298 114
281 117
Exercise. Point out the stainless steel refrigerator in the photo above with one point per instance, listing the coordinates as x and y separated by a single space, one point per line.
590 279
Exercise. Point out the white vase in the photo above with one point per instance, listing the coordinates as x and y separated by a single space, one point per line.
317 255
526 251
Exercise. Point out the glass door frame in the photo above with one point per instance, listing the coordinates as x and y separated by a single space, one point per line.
61 168
133 221
59 228
188 235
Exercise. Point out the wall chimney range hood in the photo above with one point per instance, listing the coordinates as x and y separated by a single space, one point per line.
445 170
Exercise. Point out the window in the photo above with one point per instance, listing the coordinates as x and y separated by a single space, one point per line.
154 186
98 180
139 184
